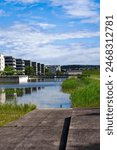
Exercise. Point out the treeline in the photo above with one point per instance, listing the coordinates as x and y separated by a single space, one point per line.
29 70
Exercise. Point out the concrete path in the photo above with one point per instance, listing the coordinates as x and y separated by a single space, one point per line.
53 129
84 131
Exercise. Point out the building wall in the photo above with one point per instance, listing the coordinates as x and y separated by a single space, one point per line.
14 79
42 69
28 63
20 66
10 61
39 68
2 62
34 65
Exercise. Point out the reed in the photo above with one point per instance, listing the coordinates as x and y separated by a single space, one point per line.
84 92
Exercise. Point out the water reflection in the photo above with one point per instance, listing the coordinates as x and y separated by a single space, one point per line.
43 94
11 95
2 96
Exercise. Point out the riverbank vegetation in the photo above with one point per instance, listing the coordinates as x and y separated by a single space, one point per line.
11 112
84 91
94 73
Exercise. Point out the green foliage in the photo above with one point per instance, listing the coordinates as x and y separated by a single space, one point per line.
59 73
48 73
9 71
1 73
19 72
29 70
69 85
11 112
85 92
92 73
87 96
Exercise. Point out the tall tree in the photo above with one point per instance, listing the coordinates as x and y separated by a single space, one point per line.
29 70
9 70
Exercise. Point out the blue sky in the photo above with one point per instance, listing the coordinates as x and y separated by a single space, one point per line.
51 31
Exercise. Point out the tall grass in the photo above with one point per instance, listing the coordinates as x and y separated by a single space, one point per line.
69 84
11 112
87 96
85 93
95 73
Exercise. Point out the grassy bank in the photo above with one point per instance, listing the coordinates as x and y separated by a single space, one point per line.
10 112
94 73
84 92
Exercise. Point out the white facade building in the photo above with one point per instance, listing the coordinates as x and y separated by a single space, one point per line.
2 62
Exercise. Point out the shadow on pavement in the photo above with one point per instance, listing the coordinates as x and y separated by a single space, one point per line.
64 135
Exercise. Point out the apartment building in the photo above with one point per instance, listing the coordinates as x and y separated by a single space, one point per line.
42 69
28 63
10 61
20 66
34 65
38 68
2 62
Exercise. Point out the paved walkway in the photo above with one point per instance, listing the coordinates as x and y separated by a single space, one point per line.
53 129
84 131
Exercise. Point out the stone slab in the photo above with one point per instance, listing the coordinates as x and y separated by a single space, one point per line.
84 131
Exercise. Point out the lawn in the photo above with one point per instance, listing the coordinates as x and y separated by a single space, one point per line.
11 112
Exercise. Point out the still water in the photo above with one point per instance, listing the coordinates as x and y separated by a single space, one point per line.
45 94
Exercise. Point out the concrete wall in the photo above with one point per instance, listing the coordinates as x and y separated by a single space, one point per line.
14 79
23 79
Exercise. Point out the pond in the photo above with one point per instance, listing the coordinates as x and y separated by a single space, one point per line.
44 94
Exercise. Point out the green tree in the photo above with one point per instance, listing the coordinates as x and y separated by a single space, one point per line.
48 73
9 70
19 72
29 70
1 73
59 73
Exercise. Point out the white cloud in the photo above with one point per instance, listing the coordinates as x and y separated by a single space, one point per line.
24 1
74 8
87 9
41 25
28 33
91 20
78 8
70 54
46 25
22 40
75 35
